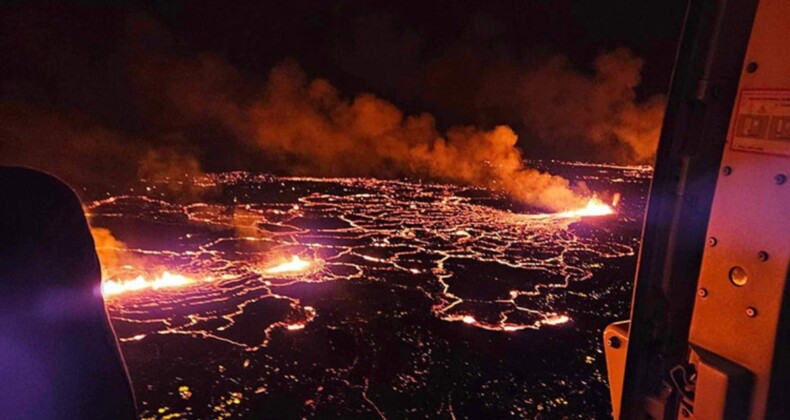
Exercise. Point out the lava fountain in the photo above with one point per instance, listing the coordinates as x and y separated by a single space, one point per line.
112 287
295 265
595 207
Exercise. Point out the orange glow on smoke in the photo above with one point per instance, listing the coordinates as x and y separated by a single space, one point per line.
295 265
165 280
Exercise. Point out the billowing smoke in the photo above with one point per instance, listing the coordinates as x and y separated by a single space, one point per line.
324 133
306 126
111 251
597 112
71 146
560 108
84 152
196 111
559 103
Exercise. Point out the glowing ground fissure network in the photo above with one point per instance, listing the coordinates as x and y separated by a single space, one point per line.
428 234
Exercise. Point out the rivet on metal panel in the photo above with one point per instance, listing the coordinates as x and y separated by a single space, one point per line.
780 179
751 312
727 170
613 342
702 292
762 255
712 241
738 276
751 67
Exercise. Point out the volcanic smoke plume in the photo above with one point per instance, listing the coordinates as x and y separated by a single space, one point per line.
197 111
305 127
597 113
561 104
561 108
85 152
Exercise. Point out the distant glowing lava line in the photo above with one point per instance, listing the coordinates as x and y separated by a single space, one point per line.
166 280
594 207
296 265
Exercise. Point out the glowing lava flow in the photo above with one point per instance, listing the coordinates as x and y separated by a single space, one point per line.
297 264
165 280
111 287
384 229
253 274
555 320
594 207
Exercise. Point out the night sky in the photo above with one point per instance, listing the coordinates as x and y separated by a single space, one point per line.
390 47
81 61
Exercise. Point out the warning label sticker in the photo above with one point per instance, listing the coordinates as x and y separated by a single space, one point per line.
762 122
